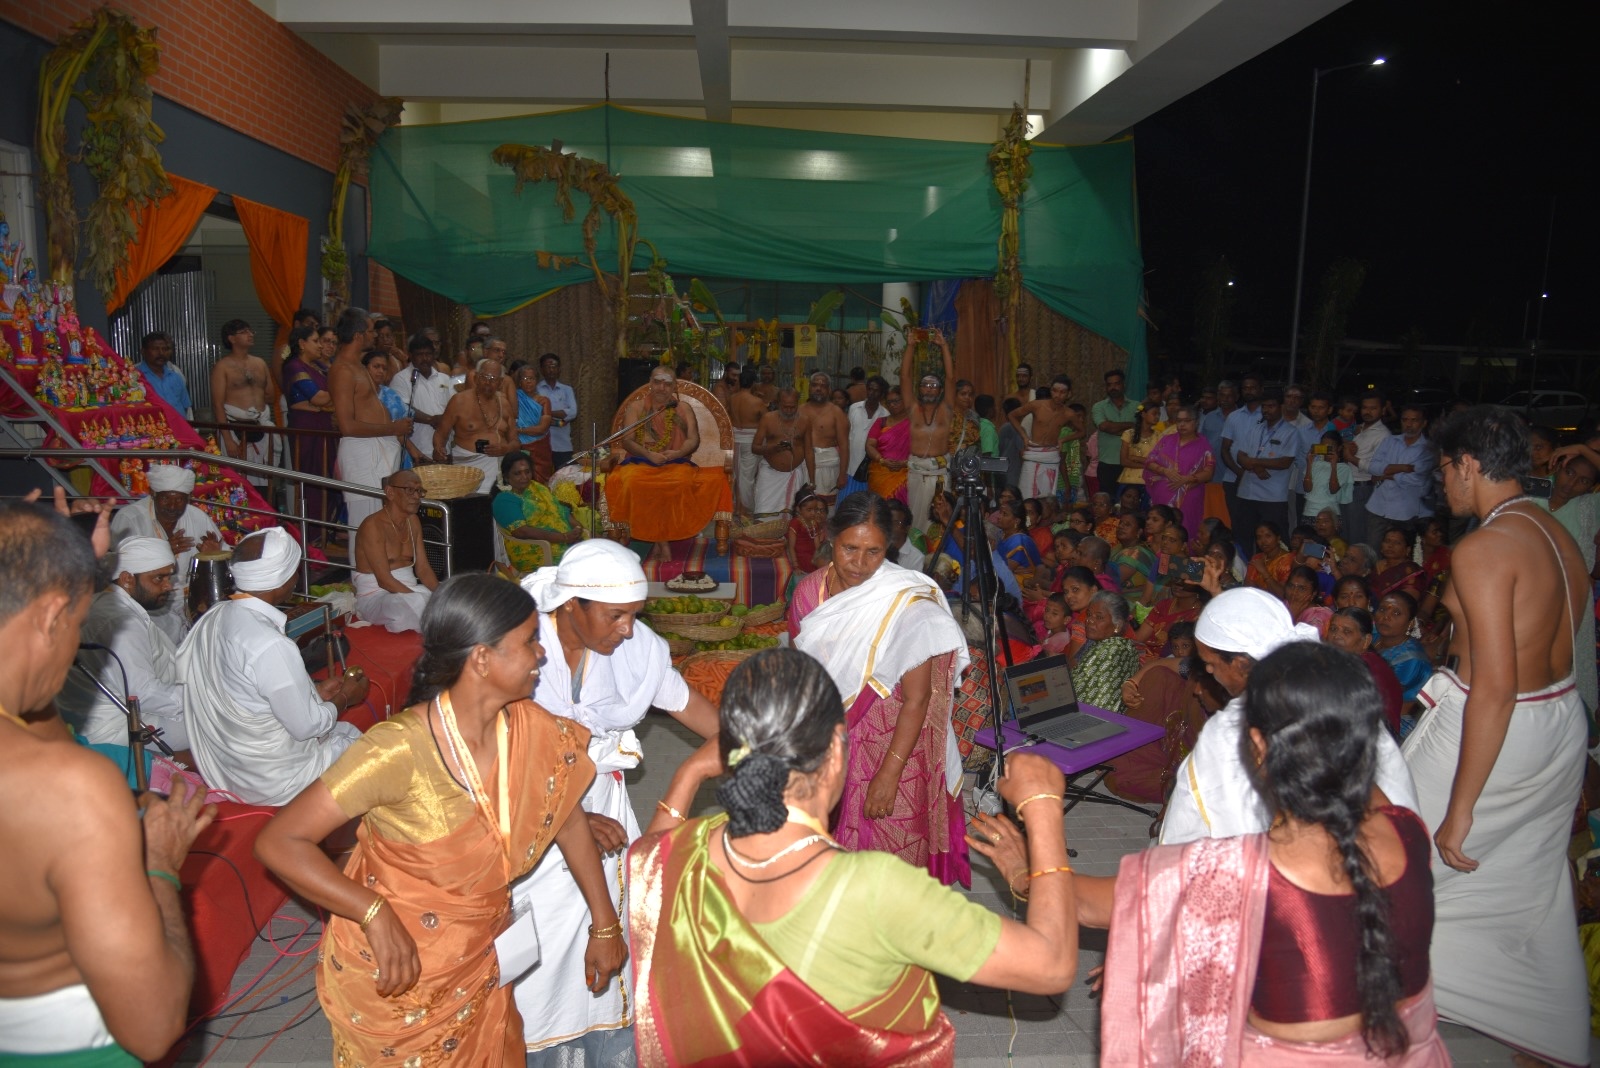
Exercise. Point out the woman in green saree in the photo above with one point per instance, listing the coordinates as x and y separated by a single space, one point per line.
758 941
528 511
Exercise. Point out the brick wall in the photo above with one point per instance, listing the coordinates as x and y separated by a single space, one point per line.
233 63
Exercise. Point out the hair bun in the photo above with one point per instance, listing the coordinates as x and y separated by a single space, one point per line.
753 795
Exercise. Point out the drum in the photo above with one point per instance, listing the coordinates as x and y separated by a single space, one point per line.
210 581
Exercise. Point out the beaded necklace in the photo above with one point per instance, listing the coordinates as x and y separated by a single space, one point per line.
662 440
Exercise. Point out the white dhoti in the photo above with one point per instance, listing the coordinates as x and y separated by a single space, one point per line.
366 462
1041 472
1506 959
554 1004
923 477
775 489
395 612
63 1021
259 452
746 464
488 466
826 479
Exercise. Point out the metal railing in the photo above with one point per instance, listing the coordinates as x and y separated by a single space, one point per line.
245 467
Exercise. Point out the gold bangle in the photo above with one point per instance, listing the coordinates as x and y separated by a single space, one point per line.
1034 797
1020 895
373 910
1047 871
674 813
897 756
614 931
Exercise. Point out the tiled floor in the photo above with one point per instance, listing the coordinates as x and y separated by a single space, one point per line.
284 1027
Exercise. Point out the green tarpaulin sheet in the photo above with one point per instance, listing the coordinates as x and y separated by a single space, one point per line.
732 201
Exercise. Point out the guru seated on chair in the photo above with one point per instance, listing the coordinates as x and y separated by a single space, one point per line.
656 487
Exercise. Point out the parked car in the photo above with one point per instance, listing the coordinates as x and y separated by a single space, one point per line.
1559 409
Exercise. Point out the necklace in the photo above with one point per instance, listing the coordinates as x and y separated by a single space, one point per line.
663 439
756 865
13 717
486 421
1490 515
927 420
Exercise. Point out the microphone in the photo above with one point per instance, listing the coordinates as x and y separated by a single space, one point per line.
673 403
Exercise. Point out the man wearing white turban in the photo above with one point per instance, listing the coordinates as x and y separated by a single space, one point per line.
1213 794
258 726
119 619
605 670
166 513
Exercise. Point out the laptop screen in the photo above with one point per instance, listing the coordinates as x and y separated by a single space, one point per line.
1041 689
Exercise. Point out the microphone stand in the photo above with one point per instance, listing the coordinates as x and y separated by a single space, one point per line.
129 706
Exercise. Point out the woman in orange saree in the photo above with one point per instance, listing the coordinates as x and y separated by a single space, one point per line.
458 795
759 942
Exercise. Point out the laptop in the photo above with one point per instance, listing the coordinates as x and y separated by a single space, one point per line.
1046 705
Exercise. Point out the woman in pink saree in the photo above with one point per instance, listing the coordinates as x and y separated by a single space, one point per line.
888 640
1178 469
1305 945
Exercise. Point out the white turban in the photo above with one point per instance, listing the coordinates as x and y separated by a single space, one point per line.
138 556
278 561
596 570
170 478
1251 621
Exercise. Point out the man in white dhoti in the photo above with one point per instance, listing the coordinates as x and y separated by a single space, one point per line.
604 670
745 409
166 513
477 426
119 620
932 416
1498 757
369 445
828 429
1213 794
1041 451
394 578
239 395
924 478
259 727
783 443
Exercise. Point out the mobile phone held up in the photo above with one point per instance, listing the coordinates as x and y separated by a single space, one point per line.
1534 486
1313 550
1194 569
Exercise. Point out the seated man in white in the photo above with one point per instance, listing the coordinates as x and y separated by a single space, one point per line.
167 513
1213 794
259 727
139 651
393 576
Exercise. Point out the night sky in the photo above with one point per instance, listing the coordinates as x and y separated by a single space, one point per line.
1438 170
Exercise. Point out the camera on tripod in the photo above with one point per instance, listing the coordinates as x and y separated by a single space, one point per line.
970 466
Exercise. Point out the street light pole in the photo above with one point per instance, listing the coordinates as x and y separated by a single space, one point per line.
1305 209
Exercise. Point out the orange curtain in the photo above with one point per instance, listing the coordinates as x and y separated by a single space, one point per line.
164 228
277 260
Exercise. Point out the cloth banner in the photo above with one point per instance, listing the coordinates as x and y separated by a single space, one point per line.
277 260
164 228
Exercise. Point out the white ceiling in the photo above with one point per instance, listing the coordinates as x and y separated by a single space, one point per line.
1092 68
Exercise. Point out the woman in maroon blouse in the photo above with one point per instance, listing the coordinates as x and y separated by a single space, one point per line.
1312 938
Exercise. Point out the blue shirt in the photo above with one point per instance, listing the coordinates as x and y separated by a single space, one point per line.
1240 424
1211 429
562 399
169 386
1400 497
1281 439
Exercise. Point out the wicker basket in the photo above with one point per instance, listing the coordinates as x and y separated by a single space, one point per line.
770 614
710 632
444 482
678 646
676 621
770 528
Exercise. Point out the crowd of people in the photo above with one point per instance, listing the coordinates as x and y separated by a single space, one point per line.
1370 649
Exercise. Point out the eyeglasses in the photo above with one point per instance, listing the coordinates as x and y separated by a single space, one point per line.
414 490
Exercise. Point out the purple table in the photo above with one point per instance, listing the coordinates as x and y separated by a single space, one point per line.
1086 759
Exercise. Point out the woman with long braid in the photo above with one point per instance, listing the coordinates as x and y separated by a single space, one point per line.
1313 935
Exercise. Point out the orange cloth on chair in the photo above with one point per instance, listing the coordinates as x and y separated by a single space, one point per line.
668 503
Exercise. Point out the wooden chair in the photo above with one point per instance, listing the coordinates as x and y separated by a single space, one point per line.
716 436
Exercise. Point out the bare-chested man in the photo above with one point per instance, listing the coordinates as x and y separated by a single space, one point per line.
783 442
930 413
1041 450
239 395
856 390
369 446
1498 756
726 386
828 430
95 962
745 409
393 576
767 388
482 422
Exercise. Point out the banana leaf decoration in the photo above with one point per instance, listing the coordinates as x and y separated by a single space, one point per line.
701 295
823 308
1010 170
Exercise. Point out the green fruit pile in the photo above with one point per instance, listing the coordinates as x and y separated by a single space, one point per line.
688 605
744 610
742 642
